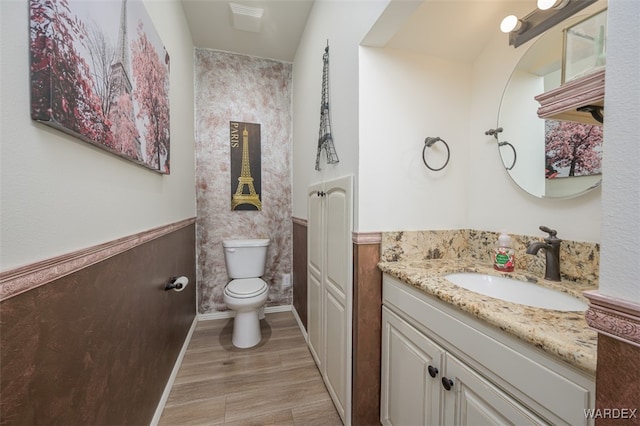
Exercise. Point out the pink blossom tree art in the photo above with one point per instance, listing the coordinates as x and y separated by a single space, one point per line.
152 85
90 80
572 149
61 89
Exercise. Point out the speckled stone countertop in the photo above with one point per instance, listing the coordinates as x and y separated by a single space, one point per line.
563 334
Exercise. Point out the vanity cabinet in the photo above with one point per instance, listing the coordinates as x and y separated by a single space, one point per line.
330 286
412 366
441 366
423 384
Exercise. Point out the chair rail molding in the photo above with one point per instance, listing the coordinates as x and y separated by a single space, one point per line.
367 237
617 318
24 278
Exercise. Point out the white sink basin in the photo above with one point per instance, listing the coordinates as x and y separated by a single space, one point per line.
516 291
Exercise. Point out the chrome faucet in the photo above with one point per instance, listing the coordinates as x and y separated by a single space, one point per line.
551 246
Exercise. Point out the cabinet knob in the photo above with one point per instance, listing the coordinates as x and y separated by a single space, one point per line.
447 383
433 371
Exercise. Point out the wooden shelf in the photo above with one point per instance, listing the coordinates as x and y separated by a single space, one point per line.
562 103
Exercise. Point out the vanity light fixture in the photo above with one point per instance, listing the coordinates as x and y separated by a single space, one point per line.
548 14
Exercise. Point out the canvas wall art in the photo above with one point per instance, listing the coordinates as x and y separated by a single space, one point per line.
245 166
100 72
572 149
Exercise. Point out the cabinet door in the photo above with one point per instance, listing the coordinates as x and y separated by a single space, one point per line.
472 400
315 253
337 287
410 396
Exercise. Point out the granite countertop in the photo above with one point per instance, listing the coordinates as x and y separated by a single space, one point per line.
562 334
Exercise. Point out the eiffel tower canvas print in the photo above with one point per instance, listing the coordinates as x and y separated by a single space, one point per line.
100 72
245 166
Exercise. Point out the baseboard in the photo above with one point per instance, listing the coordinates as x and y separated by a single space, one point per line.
299 321
230 314
174 373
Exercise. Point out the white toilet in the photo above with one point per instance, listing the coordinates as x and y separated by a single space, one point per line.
246 293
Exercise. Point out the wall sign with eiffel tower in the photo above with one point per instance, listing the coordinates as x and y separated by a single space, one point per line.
245 166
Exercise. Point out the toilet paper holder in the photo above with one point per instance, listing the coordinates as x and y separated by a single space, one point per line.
176 283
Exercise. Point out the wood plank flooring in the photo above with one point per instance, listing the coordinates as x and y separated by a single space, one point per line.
273 383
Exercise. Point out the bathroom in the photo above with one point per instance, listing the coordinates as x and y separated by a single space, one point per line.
61 196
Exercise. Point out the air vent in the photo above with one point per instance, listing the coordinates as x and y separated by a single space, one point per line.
246 18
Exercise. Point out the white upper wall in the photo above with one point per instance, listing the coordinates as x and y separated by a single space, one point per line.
343 24
59 194
620 252
404 98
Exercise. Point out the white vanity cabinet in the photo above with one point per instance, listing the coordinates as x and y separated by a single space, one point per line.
441 366
422 384
411 370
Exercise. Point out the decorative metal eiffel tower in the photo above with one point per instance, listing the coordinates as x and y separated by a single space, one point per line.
245 179
325 140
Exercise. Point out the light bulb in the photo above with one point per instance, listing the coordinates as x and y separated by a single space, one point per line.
509 23
546 4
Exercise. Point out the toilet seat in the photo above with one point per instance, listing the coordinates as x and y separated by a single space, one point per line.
245 288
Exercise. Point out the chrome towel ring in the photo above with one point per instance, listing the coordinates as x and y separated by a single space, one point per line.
429 142
494 133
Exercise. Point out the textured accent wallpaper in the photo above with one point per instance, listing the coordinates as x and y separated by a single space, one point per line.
231 87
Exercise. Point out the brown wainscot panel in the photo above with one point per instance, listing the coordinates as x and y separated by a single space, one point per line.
300 269
367 325
98 346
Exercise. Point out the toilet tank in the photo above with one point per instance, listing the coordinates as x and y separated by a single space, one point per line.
245 258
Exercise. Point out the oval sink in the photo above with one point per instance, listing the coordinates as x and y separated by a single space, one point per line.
516 291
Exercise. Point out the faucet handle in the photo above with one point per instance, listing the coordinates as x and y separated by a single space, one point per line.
552 234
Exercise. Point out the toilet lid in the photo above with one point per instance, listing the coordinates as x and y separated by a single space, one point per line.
246 287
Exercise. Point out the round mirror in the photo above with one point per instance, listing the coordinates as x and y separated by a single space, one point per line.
546 158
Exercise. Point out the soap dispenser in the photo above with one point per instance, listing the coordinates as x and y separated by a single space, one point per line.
504 254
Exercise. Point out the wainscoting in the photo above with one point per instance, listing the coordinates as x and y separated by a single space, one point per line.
300 269
367 324
92 337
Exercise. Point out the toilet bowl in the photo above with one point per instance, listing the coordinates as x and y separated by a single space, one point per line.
245 297
246 293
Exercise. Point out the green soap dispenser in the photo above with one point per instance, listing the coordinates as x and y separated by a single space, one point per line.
504 255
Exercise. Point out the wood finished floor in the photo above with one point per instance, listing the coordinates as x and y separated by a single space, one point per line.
274 383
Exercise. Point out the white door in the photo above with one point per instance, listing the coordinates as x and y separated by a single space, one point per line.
411 374
315 260
330 286
337 287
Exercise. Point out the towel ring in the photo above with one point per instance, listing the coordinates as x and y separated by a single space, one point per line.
494 133
430 141
515 155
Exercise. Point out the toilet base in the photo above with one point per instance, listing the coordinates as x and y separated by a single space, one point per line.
246 324
246 329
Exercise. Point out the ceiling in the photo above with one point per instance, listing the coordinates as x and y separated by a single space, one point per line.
455 30
283 22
